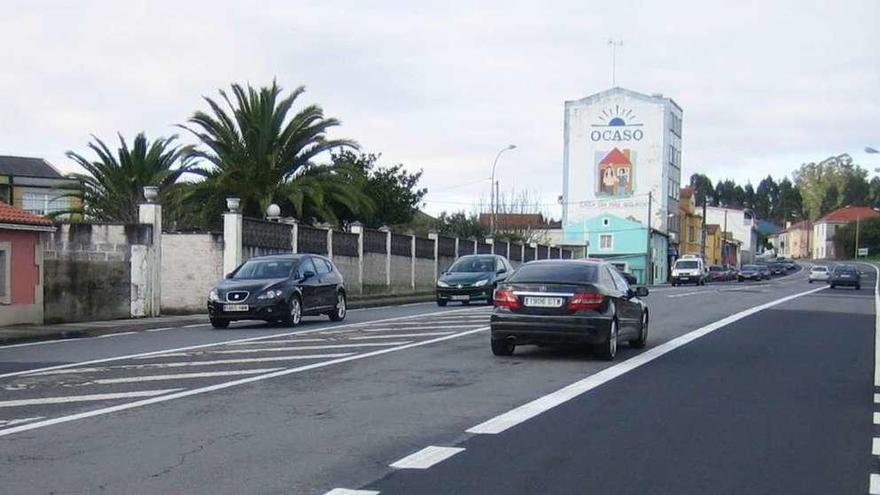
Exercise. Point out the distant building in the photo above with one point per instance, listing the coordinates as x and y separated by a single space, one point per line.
796 240
33 185
739 226
825 228
21 265
517 221
622 160
691 223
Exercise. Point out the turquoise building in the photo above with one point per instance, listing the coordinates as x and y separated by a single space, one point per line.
622 241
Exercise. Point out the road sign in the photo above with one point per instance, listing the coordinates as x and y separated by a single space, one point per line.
863 251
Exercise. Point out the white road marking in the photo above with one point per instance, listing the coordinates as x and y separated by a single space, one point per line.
422 327
225 385
426 457
877 418
180 376
876 327
538 406
876 398
875 446
202 346
307 347
114 335
160 329
874 484
285 341
346 491
195 325
683 294
13 422
83 398
190 363
400 335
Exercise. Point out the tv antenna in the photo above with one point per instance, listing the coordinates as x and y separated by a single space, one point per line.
614 44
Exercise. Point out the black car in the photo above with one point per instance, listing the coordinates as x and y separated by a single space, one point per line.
845 276
472 278
776 268
765 271
279 288
629 277
750 272
568 302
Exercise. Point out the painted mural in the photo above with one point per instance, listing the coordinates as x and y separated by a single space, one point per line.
615 171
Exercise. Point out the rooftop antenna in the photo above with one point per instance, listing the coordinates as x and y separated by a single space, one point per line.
614 44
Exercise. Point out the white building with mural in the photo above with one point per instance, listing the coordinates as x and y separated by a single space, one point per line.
622 160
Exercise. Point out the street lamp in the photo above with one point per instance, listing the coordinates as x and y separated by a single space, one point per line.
494 192
871 150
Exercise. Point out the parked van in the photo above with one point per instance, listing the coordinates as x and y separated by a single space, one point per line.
689 270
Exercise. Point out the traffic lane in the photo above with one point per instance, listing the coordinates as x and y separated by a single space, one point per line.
779 402
18 357
335 426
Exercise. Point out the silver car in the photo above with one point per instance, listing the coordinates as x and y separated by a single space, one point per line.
819 274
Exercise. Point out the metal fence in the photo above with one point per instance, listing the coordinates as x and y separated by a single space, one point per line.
401 245
311 240
445 246
345 244
515 252
465 246
424 248
374 241
500 248
530 254
483 248
262 238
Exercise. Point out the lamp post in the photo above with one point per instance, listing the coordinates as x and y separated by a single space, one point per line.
494 187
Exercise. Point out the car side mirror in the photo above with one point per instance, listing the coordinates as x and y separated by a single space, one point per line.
229 275
641 291
308 274
500 271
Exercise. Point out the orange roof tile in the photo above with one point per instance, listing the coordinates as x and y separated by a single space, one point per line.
11 214
848 214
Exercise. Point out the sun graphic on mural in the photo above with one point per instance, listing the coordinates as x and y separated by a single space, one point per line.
617 116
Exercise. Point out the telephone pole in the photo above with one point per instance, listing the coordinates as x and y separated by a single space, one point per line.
703 231
649 255
857 237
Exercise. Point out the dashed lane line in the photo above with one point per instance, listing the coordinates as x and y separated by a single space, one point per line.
225 385
426 457
180 376
12 422
310 347
400 335
114 335
181 364
83 398
346 491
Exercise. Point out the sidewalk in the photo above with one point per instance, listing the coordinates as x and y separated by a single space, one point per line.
27 333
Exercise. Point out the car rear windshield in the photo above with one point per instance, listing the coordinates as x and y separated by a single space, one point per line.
686 264
750 268
845 269
474 265
256 269
716 268
561 273
820 269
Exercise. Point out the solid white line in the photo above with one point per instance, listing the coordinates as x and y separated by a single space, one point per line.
346 491
875 446
877 418
876 398
113 335
202 346
308 347
189 363
194 325
683 294
13 422
876 326
180 376
83 398
874 484
284 341
538 406
399 335
425 327
225 385
426 457
160 329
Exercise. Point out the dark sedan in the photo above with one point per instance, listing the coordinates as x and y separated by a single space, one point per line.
750 272
845 276
279 289
472 278
568 302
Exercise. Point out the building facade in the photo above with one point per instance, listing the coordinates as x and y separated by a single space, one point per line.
738 226
690 222
796 240
21 265
622 162
34 185
825 228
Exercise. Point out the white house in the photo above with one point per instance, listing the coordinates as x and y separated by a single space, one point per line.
825 228
740 224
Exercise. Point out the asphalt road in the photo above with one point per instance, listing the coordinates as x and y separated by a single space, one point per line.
732 395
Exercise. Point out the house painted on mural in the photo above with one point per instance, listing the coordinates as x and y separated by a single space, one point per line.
21 265
622 242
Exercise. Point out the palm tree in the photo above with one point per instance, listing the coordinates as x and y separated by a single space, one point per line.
112 188
262 154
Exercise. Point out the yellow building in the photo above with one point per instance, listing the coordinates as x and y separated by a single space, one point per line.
690 223
713 244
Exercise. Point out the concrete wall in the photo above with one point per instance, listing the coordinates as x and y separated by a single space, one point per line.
424 274
444 263
192 264
401 275
374 274
348 266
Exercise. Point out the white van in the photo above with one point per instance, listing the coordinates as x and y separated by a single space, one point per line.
689 270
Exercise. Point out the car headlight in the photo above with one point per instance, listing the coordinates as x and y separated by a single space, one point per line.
441 283
481 283
213 296
270 294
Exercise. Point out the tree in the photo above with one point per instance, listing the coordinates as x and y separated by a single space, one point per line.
703 189
816 181
874 193
749 196
521 203
393 191
262 152
460 224
112 187
766 197
869 237
790 208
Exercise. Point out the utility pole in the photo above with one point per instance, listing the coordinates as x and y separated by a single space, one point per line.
494 185
857 236
649 255
614 44
724 240
703 231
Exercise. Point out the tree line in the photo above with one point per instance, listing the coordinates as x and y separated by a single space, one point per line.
815 189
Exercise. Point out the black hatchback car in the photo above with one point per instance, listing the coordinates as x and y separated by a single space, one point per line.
845 276
568 302
472 278
279 289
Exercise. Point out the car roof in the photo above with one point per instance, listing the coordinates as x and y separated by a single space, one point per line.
583 261
283 256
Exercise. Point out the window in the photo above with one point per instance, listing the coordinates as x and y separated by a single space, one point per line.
691 235
619 281
44 203
322 266
556 272
606 241
499 265
305 266
5 288
606 222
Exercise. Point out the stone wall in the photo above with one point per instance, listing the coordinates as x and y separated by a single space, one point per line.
192 264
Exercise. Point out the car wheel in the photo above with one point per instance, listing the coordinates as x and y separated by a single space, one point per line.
294 312
831 286
608 349
858 287
642 341
441 303
338 313
465 303
503 347
811 281
673 284
219 324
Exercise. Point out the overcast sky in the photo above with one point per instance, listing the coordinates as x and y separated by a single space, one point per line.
765 86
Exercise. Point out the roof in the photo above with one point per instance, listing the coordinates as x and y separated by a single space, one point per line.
686 192
767 228
17 216
848 214
27 167
616 157
802 225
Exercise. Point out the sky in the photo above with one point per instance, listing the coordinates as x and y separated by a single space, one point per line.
442 86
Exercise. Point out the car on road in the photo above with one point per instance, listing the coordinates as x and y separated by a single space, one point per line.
629 277
568 302
279 289
776 268
718 273
689 271
750 272
765 271
818 273
472 278
845 276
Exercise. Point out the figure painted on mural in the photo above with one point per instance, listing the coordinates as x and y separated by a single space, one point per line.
609 181
615 173
623 181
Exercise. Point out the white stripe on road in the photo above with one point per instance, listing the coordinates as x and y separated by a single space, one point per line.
180 376
876 398
683 294
875 446
876 327
225 385
202 346
346 491
285 341
874 484
160 329
423 327
426 457
114 335
307 347
83 398
13 422
190 363
538 406
400 335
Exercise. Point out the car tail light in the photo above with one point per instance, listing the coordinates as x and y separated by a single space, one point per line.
584 300
506 299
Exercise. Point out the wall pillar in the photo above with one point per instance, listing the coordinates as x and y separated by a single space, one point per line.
148 300
387 255
358 228
435 236
412 262
232 237
330 243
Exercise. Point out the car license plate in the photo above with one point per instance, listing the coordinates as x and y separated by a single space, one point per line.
543 302
685 278
844 276
460 298
235 307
